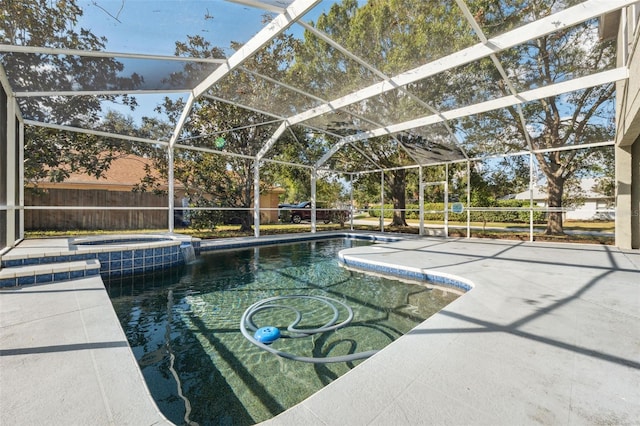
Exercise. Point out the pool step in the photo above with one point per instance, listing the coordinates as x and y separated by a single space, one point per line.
45 273
63 259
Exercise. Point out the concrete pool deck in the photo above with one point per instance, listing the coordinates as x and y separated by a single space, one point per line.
550 334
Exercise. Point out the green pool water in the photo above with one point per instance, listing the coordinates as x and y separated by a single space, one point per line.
183 327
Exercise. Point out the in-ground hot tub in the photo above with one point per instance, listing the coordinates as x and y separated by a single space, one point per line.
134 254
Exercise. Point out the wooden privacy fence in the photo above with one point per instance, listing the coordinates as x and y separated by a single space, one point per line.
102 218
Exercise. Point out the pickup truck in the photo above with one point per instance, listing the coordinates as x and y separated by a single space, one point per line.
296 213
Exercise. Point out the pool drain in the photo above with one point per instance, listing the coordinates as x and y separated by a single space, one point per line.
265 336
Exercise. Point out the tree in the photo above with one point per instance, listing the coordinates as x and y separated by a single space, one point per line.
603 166
53 154
407 33
298 146
555 122
214 179
386 154
60 153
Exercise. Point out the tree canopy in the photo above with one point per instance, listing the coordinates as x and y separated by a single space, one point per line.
573 119
51 154
373 41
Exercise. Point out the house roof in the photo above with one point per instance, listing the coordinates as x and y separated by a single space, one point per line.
123 174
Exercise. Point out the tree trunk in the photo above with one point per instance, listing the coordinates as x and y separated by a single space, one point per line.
246 222
398 186
555 190
246 218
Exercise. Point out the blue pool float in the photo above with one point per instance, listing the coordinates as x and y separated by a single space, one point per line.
267 335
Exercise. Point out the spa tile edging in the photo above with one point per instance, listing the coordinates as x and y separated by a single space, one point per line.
119 256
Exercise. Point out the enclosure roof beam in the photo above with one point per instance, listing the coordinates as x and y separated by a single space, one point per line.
506 101
12 48
593 80
99 92
183 119
272 140
549 24
94 132
489 157
573 147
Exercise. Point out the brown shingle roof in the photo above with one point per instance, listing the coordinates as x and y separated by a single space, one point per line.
123 173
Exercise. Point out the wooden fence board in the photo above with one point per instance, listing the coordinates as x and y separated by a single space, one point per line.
104 219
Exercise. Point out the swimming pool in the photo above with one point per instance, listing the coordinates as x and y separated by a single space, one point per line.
183 328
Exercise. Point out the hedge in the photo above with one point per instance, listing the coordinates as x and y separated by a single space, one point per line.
521 216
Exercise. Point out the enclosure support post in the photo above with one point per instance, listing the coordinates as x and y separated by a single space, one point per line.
531 182
256 198
446 200
468 199
382 201
10 174
170 186
351 203
421 200
21 177
314 175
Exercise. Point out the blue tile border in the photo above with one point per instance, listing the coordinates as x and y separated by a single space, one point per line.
123 261
399 271
116 261
10 282
215 245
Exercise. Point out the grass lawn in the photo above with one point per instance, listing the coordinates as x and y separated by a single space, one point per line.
457 229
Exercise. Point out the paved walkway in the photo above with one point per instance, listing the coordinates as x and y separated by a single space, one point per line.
550 334
64 359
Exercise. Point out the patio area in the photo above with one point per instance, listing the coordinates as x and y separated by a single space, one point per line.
548 335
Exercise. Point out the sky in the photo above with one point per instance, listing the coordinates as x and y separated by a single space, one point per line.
153 27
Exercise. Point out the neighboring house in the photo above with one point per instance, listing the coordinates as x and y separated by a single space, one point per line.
123 174
593 205
269 200
115 189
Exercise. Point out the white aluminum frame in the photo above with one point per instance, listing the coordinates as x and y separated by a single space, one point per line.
487 47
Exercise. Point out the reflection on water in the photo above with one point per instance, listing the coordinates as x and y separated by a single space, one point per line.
183 327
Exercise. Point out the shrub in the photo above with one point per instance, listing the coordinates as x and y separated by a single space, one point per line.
435 212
